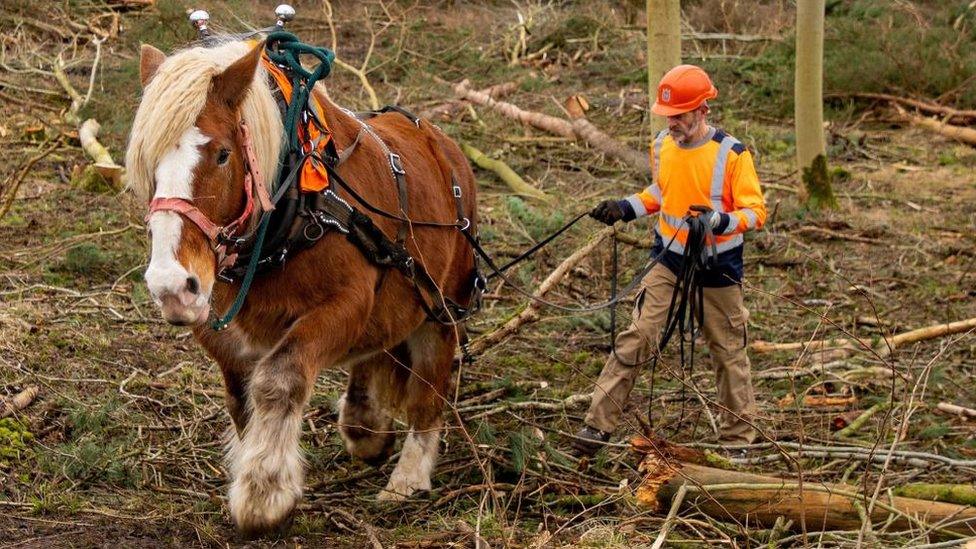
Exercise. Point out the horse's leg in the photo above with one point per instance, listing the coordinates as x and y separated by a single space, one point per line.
427 391
367 408
267 469
236 359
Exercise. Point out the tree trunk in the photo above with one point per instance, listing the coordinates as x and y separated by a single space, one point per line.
663 47
811 153
757 500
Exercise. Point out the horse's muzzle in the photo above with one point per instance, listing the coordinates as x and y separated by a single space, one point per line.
177 313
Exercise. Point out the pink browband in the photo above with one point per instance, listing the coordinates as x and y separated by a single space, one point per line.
221 237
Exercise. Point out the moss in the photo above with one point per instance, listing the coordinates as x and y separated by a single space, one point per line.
91 181
816 180
962 494
718 461
14 439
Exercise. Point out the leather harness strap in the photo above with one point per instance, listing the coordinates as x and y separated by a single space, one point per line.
222 237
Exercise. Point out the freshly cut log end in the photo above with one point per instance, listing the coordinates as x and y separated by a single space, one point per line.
760 500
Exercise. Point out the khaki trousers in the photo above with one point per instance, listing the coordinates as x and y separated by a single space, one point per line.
724 328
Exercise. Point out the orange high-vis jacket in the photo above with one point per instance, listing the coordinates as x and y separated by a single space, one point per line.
718 173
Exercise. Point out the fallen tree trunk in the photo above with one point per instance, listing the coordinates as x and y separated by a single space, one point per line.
759 500
956 410
538 120
954 115
912 336
576 107
447 111
580 128
959 133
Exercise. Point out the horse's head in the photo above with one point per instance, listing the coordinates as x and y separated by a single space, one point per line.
187 158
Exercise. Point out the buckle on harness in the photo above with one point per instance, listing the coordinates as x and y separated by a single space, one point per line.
457 191
395 164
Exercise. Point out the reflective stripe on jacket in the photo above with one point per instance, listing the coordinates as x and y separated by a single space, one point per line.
718 173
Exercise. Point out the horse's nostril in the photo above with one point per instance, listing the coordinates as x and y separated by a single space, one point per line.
192 285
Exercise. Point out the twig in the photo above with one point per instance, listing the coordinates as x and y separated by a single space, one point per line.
14 185
669 520
862 419
370 531
531 312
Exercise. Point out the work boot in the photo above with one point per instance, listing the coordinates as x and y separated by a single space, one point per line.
589 440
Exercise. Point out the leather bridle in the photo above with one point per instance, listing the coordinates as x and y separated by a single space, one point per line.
222 238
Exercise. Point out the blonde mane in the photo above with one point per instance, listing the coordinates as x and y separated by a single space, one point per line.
174 99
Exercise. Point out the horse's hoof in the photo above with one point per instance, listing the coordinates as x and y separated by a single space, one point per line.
258 513
275 531
388 495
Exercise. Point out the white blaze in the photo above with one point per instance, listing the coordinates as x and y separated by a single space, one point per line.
174 179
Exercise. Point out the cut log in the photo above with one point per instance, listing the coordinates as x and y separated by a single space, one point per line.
842 420
758 500
819 401
514 181
956 410
19 401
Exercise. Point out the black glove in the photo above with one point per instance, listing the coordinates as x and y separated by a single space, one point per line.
707 214
608 211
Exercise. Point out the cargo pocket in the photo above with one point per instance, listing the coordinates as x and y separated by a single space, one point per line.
738 335
639 304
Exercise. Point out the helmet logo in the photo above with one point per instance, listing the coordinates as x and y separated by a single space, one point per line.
666 95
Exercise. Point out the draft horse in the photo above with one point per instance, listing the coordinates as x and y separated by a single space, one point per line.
328 306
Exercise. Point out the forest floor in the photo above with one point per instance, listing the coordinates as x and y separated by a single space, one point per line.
122 447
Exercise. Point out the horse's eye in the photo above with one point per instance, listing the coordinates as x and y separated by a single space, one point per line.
222 157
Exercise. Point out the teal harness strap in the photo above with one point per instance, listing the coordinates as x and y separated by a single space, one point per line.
252 267
284 49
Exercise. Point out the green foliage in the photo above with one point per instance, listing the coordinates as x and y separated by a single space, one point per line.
937 430
484 433
537 224
84 260
914 49
565 32
523 446
14 438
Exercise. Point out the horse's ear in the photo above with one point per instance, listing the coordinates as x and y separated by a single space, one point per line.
150 58
231 86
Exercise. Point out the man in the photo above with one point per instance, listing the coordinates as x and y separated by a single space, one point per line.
693 165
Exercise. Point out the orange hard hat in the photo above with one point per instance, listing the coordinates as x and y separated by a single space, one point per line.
683 89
